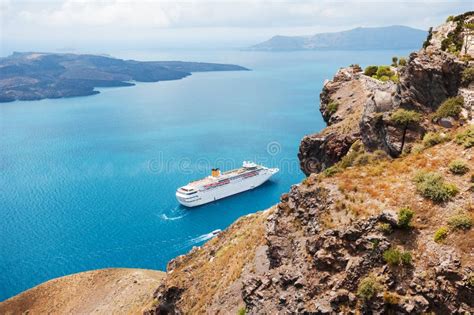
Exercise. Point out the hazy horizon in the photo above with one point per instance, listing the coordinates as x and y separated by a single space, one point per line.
106 26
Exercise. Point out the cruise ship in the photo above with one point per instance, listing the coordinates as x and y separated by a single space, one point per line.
220 185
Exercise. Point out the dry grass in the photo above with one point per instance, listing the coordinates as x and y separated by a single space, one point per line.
207 272
367 190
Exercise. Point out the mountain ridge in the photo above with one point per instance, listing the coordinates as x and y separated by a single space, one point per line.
359 38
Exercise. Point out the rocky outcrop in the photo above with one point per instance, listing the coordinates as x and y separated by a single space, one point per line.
430 76
428 79
342 103
326 247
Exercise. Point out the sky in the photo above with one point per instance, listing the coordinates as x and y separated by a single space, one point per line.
68 24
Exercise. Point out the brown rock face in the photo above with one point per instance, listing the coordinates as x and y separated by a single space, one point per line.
342 103
428 79
358 107
318 152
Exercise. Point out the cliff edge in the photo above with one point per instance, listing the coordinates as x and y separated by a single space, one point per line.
383 222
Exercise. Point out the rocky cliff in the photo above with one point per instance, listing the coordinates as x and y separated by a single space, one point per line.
383 222
359 107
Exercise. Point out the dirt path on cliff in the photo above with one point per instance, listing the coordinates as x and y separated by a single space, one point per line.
105 291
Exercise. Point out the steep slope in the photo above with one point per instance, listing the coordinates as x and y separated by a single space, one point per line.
105 291
389 37
428 78
383 223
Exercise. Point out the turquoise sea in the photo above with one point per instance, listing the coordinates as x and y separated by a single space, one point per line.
89 182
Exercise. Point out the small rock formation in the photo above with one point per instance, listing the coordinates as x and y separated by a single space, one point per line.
342 103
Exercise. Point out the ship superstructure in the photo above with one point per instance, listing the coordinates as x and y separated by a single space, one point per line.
220 185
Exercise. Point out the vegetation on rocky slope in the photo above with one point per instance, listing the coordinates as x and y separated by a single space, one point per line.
382 223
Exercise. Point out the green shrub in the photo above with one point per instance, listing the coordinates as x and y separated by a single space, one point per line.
433 138
392 256
405 117
385 228
394 78
405 215
402 62
465 138
332 107
460 221
467 76
368 288
384 71
371 71
441 234
450 18
433 186
405 257
451 107
458 167
331 171
241 311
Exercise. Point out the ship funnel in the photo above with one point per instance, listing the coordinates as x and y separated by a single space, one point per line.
216 172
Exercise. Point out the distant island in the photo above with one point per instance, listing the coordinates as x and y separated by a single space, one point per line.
35 76
361 38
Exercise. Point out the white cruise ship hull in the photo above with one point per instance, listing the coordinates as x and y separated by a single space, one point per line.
234 187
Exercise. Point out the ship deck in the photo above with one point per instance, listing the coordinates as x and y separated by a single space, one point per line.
225 175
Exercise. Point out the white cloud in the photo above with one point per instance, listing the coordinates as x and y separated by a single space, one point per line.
161 20
144 13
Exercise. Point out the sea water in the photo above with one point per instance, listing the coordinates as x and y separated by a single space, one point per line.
89 182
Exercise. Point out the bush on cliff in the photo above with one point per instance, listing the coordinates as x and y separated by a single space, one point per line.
370 70
384 71
405 117
458 167
465 138
433 186
405 215
402 62
433 138
332 107
394 257
467 76
368 287
460 221
440 234
451 107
